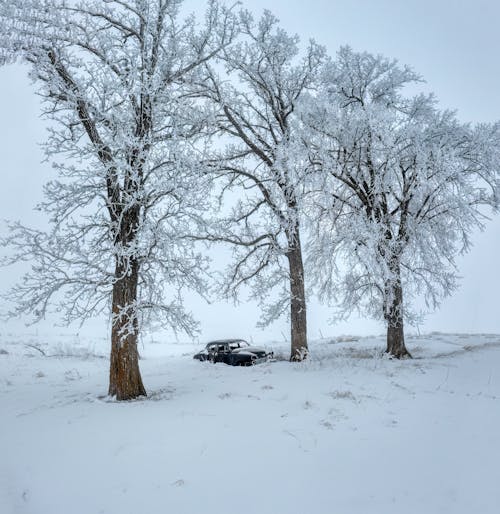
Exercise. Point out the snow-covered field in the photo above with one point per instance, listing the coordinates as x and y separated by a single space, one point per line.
349 431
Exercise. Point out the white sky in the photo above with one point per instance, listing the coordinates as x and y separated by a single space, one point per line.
454 44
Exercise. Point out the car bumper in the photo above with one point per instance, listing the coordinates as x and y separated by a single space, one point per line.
260 360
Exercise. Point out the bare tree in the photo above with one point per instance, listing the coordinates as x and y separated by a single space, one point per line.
399 188
114 77
256 98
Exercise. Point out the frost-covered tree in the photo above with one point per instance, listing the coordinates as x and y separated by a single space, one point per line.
114 77
399 187
256 95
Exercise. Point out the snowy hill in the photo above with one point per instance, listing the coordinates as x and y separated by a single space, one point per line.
349 431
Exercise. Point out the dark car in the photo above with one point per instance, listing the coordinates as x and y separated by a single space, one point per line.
235 352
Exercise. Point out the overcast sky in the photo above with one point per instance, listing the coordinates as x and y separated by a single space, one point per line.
453 44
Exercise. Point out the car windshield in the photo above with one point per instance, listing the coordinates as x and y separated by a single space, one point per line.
238 344
225 346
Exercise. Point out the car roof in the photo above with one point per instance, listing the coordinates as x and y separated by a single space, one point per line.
224 341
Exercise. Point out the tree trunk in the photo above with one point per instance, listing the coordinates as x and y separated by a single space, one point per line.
125 382
298 312
394 316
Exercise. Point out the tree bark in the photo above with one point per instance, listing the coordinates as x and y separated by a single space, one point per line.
395 322
298 311
125 382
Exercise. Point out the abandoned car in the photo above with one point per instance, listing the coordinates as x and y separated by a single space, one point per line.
235 352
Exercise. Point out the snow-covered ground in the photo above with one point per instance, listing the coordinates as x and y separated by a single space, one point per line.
348 431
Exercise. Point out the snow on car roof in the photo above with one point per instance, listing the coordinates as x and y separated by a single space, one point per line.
224 341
